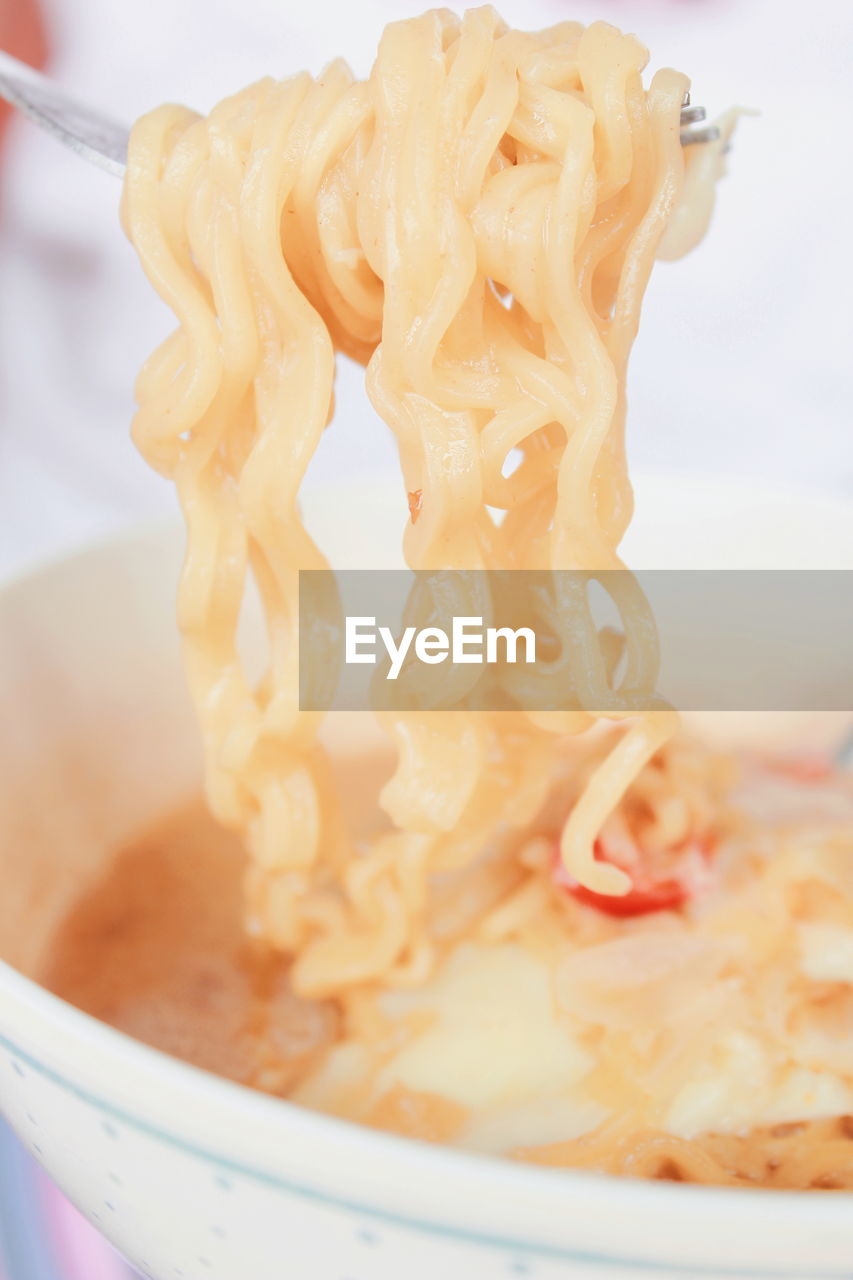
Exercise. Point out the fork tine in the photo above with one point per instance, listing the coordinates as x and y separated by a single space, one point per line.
692 137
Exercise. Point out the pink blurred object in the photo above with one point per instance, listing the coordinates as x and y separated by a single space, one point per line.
22 33
85 1255
42 1235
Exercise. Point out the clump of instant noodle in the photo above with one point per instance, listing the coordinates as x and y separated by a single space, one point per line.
477 223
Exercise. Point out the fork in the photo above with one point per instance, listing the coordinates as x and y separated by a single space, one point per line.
103 141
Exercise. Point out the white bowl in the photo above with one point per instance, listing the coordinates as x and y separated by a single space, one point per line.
192 1176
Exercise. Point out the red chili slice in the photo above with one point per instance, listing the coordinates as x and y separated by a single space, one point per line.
416 502
666 889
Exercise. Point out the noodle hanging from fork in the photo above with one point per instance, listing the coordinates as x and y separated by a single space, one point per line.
476 223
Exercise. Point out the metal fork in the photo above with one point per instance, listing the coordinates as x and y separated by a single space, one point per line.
104 142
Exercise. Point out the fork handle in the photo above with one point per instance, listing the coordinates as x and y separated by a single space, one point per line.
86 131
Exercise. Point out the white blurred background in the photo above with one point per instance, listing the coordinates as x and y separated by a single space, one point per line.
743 365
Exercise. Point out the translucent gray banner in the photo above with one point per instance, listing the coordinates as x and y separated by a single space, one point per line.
702 640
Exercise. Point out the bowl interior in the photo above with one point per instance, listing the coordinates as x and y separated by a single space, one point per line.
97 732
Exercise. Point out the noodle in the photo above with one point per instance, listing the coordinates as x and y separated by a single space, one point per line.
815 1156
477 222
